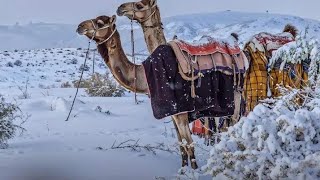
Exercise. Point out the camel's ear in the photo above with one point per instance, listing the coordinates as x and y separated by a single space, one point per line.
113 19
153 3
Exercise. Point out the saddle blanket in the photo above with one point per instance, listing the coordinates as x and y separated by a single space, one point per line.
170 94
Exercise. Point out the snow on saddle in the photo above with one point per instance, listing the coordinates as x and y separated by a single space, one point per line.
267 43
218 55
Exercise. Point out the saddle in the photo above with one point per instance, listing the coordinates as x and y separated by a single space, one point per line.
266 42
214 55
195 60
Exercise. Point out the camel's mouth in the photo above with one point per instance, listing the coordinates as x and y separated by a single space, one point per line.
82 31
121 12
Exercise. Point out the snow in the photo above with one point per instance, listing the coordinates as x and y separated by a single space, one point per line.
270 144
54 148
229 41
46 68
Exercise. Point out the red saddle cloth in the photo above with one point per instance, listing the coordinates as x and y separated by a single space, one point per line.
283 38
273 41
210 47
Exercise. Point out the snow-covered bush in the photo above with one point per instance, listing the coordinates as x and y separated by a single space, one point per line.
74 61
66 85
85 83
8 114
84 68
9 64
303 51
17 63
280 139
104 86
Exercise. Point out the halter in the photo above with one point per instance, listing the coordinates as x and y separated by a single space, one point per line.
98 29
147 18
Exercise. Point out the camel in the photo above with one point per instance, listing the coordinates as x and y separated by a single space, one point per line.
257 82
147 14
103 31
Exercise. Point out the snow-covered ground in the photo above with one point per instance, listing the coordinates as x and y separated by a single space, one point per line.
52 147
81 147
46 68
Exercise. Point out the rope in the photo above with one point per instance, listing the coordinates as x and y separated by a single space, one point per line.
134 62
93 61
86 58
84 64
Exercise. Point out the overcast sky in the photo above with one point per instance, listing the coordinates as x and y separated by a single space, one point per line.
73 11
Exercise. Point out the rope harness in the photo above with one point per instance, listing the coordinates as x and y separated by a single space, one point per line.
134 60
78 86
86 58
134 9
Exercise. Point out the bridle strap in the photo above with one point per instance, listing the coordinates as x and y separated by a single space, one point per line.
137 10
98 29
99 43
147 18
144 20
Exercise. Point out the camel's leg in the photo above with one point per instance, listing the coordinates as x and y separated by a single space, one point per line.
207 132
184 154
217 122
184 130
237 105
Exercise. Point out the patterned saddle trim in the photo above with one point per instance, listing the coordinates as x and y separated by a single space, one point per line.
210 58
208 48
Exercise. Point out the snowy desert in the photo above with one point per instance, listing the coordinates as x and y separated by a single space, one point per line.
115 138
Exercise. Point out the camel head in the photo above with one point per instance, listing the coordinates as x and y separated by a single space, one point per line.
100 29
139 11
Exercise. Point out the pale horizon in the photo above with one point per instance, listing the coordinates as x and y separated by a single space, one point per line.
72 12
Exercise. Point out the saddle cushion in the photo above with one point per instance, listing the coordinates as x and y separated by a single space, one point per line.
269 42
213 55
210 47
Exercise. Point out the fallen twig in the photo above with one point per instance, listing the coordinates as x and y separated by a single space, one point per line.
134 145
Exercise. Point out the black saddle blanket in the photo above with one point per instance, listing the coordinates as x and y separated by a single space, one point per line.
170 94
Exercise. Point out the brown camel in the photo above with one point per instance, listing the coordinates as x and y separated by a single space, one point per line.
103 31
147 14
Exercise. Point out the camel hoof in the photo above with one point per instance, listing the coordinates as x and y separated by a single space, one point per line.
194 165
184 163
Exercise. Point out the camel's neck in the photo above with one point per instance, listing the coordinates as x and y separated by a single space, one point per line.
122 69
153 32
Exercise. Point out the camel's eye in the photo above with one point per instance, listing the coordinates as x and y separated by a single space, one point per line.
139 6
